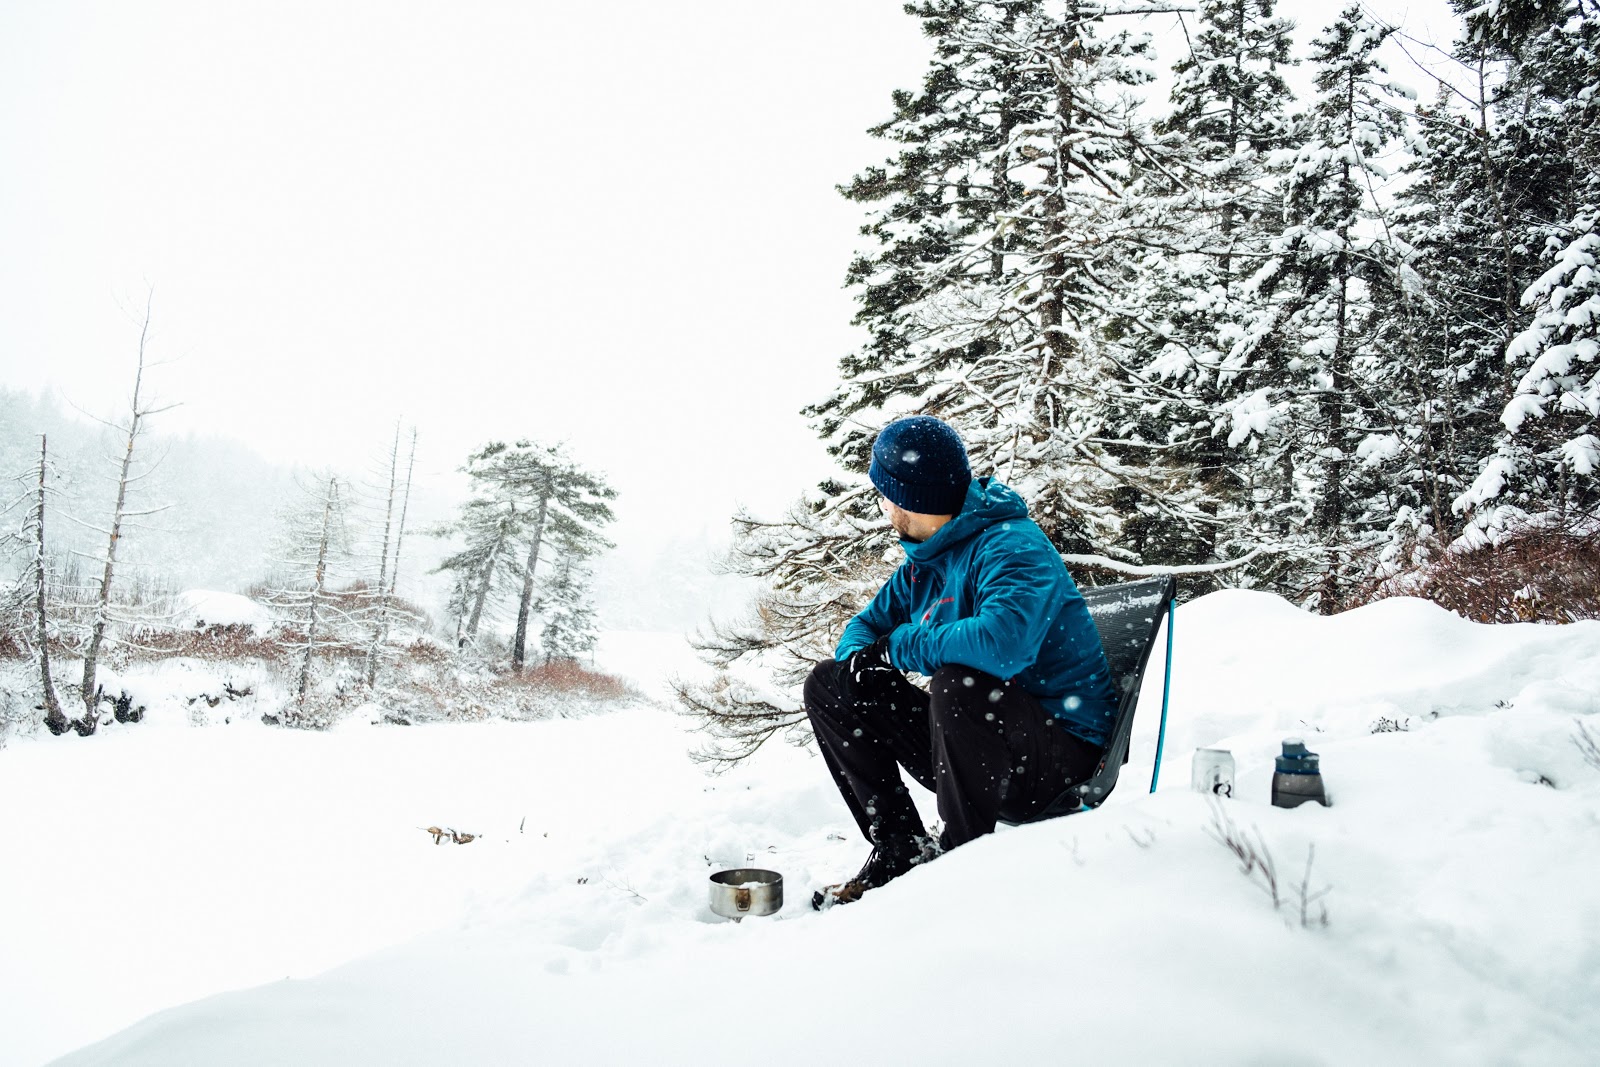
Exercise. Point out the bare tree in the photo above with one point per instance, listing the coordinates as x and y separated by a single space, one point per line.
16 592
405 506
319 588
314 545
54 718
388 574
138 412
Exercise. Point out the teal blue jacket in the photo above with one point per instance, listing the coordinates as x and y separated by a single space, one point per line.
989 591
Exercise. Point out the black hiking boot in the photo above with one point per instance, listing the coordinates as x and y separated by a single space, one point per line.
893 856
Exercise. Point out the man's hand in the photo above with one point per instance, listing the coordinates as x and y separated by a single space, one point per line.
875 657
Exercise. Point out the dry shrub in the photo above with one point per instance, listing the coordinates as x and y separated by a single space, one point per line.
569 676
423 652
1532 575
317 712
210 643
357 599
260 592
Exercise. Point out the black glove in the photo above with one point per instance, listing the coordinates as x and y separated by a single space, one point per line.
874 657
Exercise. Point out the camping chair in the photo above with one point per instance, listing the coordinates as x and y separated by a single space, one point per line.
1128 617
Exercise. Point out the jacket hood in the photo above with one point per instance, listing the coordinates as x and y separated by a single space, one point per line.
988 501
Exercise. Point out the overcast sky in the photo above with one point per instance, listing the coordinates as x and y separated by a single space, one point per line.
613 224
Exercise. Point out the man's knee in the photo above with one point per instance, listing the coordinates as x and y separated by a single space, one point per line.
822 686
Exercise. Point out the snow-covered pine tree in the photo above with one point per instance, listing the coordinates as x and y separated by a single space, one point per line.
487 524
942 224
1003 235
1037 403
1446 329
561 496
1547 453
1324 425
519 490
485 567
1209 214
567 606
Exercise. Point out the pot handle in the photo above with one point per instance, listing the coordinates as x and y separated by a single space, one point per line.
741 899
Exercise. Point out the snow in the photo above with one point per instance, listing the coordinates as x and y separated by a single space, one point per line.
1582 454
202 608
273 897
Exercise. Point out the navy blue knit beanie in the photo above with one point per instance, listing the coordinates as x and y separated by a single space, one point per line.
919 464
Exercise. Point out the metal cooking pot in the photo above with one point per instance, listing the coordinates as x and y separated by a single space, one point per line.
746 891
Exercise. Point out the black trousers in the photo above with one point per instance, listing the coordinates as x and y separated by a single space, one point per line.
984 747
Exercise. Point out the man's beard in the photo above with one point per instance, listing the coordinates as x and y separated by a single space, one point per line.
902 529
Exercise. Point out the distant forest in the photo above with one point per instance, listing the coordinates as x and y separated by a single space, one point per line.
301 595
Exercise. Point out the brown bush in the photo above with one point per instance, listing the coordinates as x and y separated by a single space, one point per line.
352 600
1532 575
207 643
424 652
569 676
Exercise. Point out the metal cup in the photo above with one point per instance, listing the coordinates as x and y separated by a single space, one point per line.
746 891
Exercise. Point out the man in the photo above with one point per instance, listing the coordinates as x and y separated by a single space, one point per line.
1021 700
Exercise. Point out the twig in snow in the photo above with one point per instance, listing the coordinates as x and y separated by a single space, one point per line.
627 887
1257 864
1308 897
1255 859
1146 841
1076 858
1588 744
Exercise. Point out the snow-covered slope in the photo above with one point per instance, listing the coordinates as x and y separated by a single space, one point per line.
201 608
1459 856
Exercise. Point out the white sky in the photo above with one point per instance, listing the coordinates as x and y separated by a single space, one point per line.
614 224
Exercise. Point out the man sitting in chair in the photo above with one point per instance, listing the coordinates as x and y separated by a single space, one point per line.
1021 699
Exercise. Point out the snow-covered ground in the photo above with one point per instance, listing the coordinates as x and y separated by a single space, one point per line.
281 883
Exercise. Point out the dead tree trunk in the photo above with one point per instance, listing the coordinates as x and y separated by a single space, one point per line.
54 718
405 505
319 584
380 625
399 539
102 613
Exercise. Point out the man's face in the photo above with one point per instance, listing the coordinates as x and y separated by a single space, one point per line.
911 525
899 518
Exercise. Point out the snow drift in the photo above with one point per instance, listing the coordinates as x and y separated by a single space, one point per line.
1456 866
